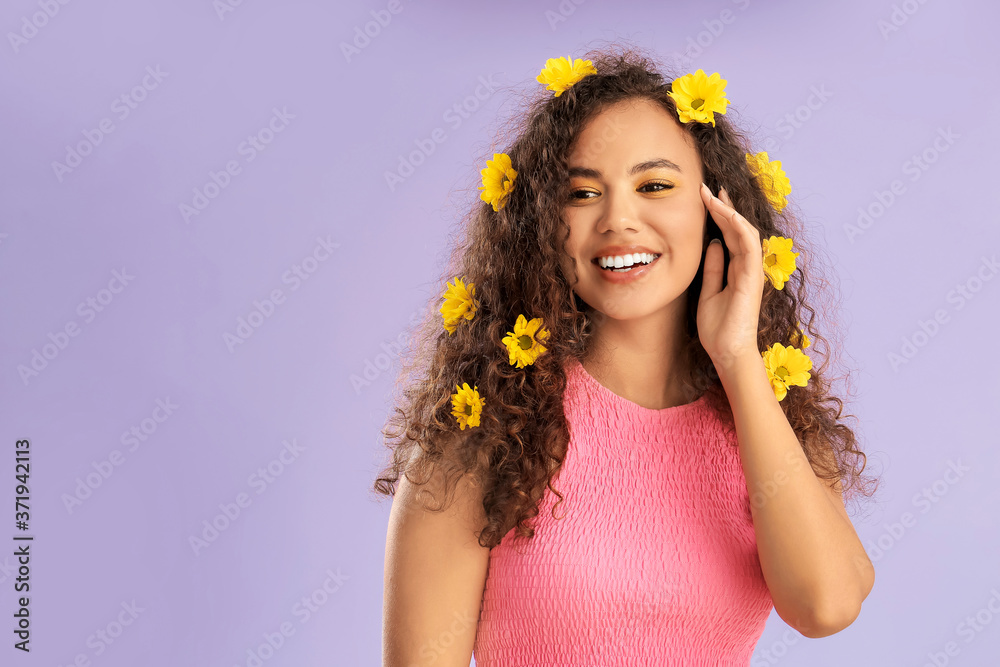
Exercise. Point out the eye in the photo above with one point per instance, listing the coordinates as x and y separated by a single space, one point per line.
576 194
662 186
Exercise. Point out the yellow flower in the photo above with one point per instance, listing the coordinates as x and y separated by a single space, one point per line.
459 302
786 367
779 260
466 406
800 337
498 180
524 343
772 179
559 74
699 97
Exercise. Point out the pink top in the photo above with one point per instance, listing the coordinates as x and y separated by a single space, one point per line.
653 560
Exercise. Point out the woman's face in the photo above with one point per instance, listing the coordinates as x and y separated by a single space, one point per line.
635 179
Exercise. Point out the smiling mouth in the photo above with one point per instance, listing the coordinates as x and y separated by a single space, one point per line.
623 269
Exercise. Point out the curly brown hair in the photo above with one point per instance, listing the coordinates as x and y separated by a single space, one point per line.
512 257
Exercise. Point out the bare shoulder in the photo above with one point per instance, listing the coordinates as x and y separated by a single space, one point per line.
461 498
435 573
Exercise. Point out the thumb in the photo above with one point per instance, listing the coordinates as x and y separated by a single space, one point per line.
711 283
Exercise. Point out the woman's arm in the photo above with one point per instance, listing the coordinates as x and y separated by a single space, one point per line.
435 574
812 559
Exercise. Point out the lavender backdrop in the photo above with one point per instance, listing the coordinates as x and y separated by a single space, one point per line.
205 277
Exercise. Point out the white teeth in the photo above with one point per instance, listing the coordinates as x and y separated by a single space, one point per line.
624 261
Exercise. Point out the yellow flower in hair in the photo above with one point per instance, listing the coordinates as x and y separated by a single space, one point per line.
559 74
786 367
779 260
459 303
498 180
699 97
800 338
524 342
771 178
466 406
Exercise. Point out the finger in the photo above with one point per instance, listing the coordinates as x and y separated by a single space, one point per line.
753 231
711 281
725 217
742 238
746 266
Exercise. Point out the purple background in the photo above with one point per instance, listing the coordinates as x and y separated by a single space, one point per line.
321 179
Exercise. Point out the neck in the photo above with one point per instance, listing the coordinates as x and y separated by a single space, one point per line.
642 359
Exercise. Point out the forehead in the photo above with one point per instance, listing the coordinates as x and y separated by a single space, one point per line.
633 131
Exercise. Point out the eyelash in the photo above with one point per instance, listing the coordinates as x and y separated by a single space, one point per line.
666 186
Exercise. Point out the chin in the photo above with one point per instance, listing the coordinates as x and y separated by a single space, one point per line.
632 306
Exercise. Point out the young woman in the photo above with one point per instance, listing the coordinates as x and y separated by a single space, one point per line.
614 448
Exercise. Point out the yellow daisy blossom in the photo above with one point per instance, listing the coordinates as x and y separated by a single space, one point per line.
786 367
699 97
466 406
772 179
498 180
459 303
800 338
524 343
779 260
559 74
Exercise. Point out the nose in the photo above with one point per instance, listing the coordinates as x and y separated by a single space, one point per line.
619 213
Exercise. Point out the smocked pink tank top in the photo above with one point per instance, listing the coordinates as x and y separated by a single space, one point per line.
654 559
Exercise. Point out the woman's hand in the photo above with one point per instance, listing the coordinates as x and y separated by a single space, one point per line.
728 318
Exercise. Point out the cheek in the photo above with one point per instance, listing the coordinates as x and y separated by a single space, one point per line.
566 265
567 259
695 215
570 250
687 223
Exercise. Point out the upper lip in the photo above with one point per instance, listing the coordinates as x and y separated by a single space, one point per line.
619 250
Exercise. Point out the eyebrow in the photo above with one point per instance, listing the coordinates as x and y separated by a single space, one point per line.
663 163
